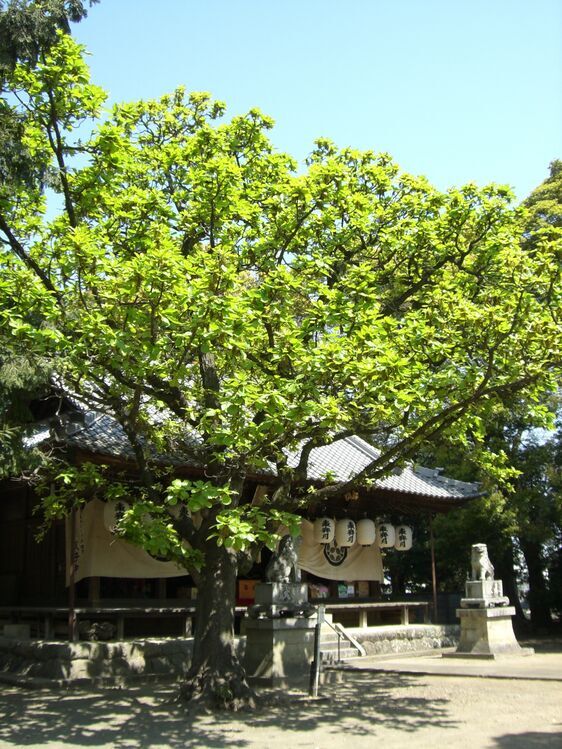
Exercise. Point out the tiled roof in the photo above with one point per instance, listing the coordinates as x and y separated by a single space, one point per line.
341 460
102 434
344 459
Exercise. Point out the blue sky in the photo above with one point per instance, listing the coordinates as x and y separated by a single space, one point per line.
458 90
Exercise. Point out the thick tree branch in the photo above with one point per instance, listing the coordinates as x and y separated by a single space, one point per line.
57 147
406 447
20 251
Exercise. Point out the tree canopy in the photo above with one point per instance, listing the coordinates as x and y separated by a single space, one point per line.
190 281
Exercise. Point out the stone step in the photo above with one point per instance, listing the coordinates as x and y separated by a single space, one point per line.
331 656
333 644
338 645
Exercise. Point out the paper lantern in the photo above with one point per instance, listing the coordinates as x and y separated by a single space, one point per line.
346 532
307 532
113 512
403 541
324 529
366 532
386 535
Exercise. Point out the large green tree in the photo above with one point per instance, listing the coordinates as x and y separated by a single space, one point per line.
218 302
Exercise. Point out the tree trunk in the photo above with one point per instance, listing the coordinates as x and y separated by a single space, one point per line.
538 593
505 571
216 678
397 581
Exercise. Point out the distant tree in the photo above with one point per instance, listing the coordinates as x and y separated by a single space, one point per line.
28 29
21 379
539 499
522 517
529 513
545 202
219 303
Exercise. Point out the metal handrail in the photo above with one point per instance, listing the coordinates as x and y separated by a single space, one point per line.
339 634
316 664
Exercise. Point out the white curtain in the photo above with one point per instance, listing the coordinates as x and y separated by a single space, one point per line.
100 554
336 563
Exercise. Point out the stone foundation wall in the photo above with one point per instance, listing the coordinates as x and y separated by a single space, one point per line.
387 640
42 663
38 662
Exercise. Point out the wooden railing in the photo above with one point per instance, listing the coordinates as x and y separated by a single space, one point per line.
45 617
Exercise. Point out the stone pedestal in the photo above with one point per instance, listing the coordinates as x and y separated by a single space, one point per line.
483 594
279 648
486 627
488 633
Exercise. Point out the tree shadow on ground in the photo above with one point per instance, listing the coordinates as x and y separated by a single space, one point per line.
146 717
543 644
529 740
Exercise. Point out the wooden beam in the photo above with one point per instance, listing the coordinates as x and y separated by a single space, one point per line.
433 572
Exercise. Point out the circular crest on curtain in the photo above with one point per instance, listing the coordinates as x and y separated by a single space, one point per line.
113 512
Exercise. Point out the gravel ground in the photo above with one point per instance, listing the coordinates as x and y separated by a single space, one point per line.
366 709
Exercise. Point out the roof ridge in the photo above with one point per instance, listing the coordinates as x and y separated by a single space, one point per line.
360 443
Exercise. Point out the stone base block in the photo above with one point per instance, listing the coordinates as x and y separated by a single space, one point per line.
279 651
484 589
487 633
484 594
490 656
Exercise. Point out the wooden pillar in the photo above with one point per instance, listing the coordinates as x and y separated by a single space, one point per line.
72 628
49 625
433 573
161 588
94 591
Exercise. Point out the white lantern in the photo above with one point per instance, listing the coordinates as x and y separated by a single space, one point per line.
307 532
366 532
113 512
403 541
346 532
324 529
386 535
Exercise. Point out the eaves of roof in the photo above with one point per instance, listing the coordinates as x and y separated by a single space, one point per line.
339 461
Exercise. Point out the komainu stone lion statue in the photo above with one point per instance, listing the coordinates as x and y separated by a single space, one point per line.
482 568
283 566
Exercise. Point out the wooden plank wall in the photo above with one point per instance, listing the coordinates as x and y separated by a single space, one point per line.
31 571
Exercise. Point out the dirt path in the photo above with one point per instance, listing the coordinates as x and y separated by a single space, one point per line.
366 710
